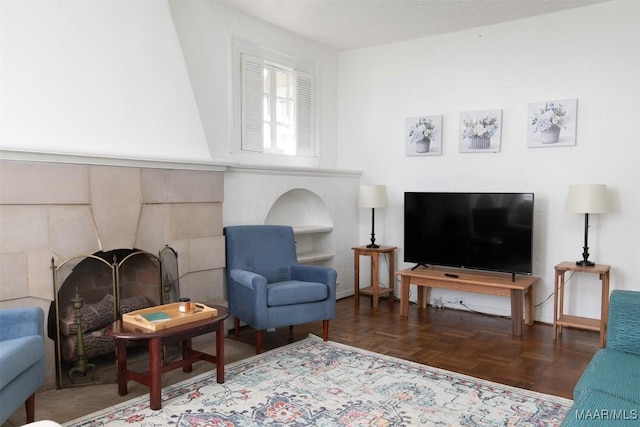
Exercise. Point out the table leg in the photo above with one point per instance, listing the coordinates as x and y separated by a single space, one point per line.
186 353
604 307
155 386
220 353
423 291
356 277
516 311
392 279
121 361
528 306
556 290
374 279
560 300
404 296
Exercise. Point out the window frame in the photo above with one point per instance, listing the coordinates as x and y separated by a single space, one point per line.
246 129
274 102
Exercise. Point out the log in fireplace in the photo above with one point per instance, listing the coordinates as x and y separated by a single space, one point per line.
90 292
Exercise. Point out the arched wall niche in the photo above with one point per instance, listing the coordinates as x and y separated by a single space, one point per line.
307 213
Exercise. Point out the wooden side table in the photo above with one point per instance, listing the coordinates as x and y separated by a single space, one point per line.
374 290
561 319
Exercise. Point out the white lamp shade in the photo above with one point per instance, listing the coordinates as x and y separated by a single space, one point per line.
587 198
372 196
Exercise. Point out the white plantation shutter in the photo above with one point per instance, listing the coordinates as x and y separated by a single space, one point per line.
252 93
304 114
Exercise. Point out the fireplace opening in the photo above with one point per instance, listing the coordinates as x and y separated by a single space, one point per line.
96 290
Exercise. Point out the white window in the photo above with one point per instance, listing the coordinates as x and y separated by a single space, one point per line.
276 100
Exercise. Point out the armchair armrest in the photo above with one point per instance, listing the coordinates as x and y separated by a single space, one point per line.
248 278
21 322
313 273
623 325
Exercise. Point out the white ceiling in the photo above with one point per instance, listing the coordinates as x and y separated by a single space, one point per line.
349 24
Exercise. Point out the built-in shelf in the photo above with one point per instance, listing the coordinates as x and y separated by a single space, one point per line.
308 257
313 243
312 225
311 229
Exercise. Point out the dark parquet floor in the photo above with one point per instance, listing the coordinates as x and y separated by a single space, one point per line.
465 342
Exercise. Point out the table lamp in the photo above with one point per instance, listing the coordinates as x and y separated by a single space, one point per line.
372 196
586 199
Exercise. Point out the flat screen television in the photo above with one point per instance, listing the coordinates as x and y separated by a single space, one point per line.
481 231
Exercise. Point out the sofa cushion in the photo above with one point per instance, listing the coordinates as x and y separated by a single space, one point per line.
16 355
612 372
295 292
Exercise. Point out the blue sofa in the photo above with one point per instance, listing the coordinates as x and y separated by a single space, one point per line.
608 392
22 359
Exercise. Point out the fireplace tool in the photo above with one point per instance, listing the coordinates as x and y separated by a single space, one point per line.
82 364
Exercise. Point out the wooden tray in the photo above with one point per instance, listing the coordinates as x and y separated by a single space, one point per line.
198 312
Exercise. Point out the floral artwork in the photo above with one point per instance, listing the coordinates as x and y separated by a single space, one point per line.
552 123
423 136
480 131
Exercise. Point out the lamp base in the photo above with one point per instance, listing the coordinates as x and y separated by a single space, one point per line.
585 263
373 246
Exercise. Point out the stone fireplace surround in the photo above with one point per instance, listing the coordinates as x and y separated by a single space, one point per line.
63 210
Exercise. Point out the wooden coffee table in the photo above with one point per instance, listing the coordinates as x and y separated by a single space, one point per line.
124 332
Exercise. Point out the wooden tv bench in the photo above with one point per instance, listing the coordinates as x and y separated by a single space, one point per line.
518 289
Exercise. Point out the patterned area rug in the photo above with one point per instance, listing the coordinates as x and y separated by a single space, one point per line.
316 383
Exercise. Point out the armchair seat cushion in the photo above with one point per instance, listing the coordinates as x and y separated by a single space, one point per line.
17 355
295 292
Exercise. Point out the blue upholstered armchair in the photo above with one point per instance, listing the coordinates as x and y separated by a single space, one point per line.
267 288
22 359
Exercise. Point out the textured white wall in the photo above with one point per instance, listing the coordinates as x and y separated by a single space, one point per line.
206 31
139 79
590 53
99 78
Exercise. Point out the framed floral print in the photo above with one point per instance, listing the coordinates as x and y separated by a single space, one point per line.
423 136
480 131
552 123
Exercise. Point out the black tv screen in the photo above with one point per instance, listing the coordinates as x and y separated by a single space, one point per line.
483 231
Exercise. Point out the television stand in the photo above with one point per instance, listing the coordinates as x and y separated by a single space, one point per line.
519 289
